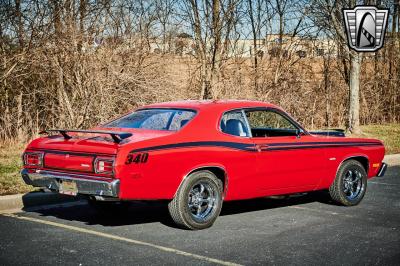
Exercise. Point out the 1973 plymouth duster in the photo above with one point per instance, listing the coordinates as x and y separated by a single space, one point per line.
196 154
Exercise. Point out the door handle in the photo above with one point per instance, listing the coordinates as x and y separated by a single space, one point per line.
261 147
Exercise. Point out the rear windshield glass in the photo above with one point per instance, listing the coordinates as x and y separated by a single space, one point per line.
154 119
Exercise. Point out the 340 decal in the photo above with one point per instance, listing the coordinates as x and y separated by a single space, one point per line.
137 158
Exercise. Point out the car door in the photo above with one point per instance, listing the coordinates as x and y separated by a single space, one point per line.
240 161
284 159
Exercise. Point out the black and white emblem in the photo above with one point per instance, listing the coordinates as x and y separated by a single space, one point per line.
365 27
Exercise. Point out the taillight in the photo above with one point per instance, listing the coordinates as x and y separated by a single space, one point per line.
33 158
104 166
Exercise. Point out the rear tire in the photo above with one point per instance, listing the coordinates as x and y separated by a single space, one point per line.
350 184
198 202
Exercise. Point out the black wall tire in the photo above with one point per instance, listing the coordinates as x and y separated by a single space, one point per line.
198 201
350 184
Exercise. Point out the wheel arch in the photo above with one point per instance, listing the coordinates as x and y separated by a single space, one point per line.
218 170
363 159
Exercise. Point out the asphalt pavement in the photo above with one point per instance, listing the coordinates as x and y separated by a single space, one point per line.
302 230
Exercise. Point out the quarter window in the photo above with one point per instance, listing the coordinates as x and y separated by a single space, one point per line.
180 119
234 123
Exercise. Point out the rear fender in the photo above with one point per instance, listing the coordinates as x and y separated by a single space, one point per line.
208 167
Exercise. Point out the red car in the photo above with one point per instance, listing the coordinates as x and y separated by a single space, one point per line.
196 154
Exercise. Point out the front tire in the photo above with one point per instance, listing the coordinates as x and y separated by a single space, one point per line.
350 184
198 202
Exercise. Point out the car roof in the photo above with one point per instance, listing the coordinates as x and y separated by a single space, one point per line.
211 104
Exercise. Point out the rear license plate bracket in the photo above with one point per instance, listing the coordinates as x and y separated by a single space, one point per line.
68 187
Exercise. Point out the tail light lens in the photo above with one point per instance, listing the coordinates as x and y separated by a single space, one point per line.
104 166
33 158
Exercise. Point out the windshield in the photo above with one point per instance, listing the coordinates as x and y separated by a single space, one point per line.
154 119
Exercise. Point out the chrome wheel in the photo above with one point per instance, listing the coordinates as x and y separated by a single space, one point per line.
202 201
198 201
352 184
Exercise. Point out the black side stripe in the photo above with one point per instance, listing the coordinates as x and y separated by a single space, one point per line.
355 143
320 146
252 147
232 145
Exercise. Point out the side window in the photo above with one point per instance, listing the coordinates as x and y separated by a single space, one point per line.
267 123
234 123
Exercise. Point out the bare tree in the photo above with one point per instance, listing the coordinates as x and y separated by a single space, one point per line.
165 16
212 23
20 23
328 15
259 13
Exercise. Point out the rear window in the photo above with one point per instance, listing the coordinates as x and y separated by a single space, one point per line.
154 119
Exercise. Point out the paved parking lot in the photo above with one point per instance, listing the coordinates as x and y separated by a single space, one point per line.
306 230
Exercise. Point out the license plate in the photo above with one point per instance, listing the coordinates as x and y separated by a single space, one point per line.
68 188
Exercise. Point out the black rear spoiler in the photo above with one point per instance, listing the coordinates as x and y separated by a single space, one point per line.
115 135
329 132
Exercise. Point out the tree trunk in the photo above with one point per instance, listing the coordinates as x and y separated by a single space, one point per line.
57 19
217 31
201 52
82 15
280 6
20 24
354 97
255 50
19 116
205 81
327 88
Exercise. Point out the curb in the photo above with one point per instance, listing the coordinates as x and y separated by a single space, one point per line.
392 159
32 199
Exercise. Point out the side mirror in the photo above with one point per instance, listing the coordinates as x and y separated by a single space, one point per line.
299 132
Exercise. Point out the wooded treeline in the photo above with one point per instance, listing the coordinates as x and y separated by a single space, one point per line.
77 63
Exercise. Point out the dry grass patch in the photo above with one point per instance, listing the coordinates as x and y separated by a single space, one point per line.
388 133
10 166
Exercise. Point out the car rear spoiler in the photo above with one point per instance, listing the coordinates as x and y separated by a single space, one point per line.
329 132
115 135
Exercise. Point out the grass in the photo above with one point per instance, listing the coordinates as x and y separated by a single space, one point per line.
10 156
388 133
10 166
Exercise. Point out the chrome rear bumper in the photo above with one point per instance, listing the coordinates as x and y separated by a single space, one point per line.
106 187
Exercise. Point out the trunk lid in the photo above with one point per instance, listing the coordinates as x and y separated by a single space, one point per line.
78 153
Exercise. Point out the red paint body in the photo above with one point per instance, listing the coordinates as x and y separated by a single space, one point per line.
247 174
